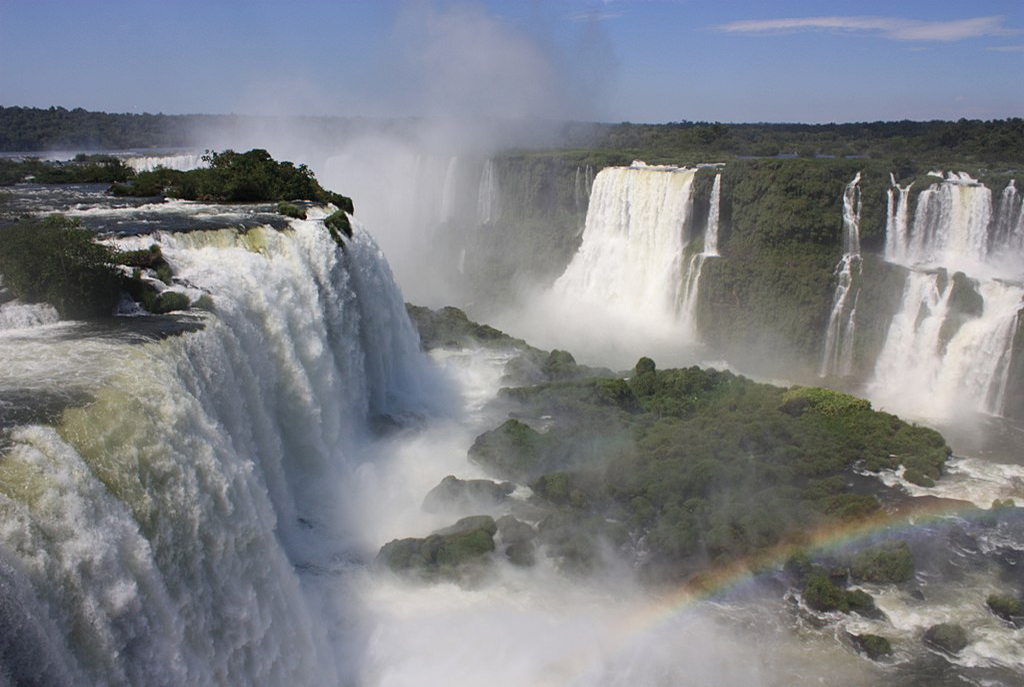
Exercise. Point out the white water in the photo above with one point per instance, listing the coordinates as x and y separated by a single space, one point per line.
17 315
183 163
916 374
159 534
488 198
691 288
629 265
953 228
839 335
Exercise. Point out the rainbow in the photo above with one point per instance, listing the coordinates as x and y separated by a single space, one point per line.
720 580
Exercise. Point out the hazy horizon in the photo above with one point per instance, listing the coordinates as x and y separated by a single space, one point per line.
605 61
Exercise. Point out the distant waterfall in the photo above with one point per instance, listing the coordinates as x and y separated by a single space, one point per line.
691 286
178 529
581 188
638 222
897 224
448 191
838 358
936 359
182 163
488 208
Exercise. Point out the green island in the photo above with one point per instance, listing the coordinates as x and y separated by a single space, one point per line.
54 260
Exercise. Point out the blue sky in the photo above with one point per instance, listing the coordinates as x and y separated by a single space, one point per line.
610 60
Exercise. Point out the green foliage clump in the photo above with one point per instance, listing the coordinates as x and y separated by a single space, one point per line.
886 563
253 176
825 401
512 451
821 594
55 261
291 210
1005 606
701 463
560 365
948 637
443 552
338 225
873 646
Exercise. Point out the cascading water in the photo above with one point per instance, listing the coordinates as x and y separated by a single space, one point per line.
179 528
447 210
937 360
691 286
488 208
637 226
582 184
838 358
182 163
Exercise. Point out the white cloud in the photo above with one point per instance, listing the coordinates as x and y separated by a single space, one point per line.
892 28
1008 48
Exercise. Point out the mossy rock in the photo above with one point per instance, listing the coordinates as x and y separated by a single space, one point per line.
468 541
915 476
453 493
874 647
888 563
1006 606
291 210
338 225
169 301
560 366
947 637
511 451
821 594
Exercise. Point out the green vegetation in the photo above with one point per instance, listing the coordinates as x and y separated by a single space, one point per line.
989 142
947 637
54 261
1005 606
84 169
822 595
888 563
701 463
874 647
443 552
291 210
248 177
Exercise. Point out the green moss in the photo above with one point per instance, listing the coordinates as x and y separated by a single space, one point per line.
512 451
874 647
948 637
1005 606
54 261
338 225
887 563
466 542
291 210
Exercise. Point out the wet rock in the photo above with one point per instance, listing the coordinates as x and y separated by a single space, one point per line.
874 647
946 637
466 494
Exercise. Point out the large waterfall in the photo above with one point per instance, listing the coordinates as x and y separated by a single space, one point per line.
181 527
838 358
182 162
631 258
940 357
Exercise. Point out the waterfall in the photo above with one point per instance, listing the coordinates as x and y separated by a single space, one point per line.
897 231
636 228
950 227
488 209
935 359
583 182
448 191
918 372
182 527
182 163
838 358
691 287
